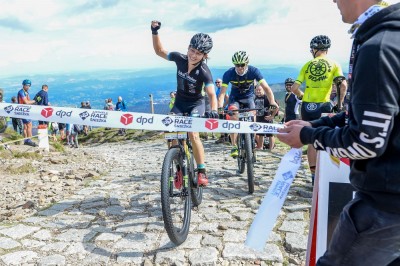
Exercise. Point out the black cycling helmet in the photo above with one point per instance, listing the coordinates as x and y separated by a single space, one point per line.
26 82
240 57
320 42
201 42
289 81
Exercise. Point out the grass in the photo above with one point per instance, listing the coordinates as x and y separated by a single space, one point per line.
22 169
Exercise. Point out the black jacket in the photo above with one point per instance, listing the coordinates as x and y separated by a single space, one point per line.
371 138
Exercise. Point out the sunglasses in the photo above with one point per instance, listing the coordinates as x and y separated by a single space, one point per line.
217 82
240 65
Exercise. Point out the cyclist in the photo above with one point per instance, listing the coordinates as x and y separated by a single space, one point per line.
263 116
193 75
292 102
318 74
241 77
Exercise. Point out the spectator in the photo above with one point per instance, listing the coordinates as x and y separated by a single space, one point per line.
42 98
73 132
263 115
121 106
105 104
110 105
85 128
17 122
368 230
61 128
53 127
23 98
292 103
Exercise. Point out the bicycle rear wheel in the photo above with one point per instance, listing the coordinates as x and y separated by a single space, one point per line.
241 158
196 190
249 161
175 197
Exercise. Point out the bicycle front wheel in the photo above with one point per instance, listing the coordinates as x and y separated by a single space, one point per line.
249 162
175 197
241 159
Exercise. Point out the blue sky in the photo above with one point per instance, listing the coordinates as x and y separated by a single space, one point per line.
45 36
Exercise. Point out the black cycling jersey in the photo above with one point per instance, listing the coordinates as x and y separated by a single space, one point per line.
261 102
190 85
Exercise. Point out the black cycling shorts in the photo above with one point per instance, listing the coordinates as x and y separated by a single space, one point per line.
313 111
195 108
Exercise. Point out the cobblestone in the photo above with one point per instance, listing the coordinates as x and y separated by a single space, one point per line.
117 219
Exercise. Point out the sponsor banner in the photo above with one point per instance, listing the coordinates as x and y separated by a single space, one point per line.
130 120
272 203
332 191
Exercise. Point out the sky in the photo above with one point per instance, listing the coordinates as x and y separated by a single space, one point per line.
56 36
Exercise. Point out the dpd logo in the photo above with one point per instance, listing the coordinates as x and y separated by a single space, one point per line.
47 112
211 124
167 121
84 115
311 106
126 119
144 120
8 109
255 127
62 113
229 125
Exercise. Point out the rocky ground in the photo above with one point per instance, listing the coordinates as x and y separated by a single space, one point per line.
100 205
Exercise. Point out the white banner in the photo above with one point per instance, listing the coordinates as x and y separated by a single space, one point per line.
272 203
332 191
130 120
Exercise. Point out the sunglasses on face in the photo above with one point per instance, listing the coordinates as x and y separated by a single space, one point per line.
240 65
217 82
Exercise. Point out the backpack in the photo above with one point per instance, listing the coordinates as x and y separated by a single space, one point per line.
37 99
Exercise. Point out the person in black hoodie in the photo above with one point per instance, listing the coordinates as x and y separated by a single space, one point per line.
368 231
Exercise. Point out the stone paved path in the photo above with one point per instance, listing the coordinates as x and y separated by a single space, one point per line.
117 219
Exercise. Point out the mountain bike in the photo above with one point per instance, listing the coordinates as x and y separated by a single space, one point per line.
179 188
246 145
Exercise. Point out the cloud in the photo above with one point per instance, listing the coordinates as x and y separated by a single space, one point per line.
230 21
95 4
14 24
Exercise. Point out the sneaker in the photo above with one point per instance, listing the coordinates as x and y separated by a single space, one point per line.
202 179
178 180
234 152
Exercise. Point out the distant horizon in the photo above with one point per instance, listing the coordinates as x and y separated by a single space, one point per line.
136 70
